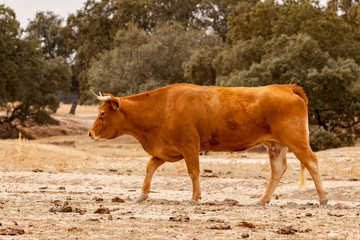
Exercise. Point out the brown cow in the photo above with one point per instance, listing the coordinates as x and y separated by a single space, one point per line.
178 121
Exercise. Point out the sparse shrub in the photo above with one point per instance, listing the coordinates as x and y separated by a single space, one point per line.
321 139
24 154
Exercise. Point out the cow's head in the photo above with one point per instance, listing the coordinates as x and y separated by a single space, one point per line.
109 120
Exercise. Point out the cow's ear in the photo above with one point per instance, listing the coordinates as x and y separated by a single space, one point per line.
115 103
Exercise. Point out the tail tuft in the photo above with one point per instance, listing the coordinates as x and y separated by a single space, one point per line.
302 175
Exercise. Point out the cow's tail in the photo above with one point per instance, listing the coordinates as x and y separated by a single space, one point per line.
302 175
299 91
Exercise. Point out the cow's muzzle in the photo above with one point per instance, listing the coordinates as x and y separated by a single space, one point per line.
92 135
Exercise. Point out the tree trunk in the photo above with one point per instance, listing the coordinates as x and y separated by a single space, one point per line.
74 105
321 124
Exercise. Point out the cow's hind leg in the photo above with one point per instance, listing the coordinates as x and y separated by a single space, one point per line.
193 167
277 154
151 167
309 159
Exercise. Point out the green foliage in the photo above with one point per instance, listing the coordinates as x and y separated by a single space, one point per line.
270 19
199 68
28 84
45 27
349 9
336 98
58 73
9 33
252 19
147 14
283 60
213 14
239 56
87 34
321 139
191 14
33 98
131 66
91 31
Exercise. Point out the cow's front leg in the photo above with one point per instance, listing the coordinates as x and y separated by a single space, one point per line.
153 164
277 155
193 167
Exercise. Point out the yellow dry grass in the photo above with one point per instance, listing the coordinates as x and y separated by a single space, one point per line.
21 155
80 109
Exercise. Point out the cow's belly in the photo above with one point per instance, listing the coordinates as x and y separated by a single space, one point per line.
167 153
235 141
228 148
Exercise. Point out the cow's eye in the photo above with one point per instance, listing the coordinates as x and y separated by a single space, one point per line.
102 114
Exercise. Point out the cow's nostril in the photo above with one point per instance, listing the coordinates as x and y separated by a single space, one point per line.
89 134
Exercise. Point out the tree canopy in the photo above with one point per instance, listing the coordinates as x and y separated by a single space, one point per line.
28 82
131 66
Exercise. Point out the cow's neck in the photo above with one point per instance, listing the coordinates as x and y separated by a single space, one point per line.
142 118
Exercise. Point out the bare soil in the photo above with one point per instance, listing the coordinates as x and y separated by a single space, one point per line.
71 187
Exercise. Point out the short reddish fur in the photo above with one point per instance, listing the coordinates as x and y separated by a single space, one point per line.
178 121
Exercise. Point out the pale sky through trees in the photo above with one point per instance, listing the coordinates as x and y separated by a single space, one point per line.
25 10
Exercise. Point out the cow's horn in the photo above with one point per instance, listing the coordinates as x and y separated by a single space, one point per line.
101 97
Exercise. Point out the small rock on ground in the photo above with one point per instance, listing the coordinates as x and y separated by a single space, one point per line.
102 210
246 224
118 200
221 226
11 231
180 218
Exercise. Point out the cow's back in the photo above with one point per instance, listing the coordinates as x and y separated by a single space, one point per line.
229 119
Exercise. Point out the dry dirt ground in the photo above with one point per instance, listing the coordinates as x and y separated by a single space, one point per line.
71 187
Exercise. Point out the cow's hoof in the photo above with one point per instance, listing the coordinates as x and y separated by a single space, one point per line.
193 202
142 198
324 202
260 203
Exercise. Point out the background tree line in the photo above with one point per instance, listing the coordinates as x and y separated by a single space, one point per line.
125 47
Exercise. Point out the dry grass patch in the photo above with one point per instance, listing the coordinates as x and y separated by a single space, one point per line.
64 109
23 155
